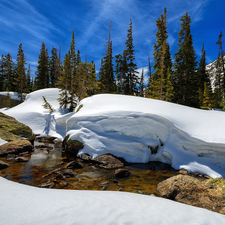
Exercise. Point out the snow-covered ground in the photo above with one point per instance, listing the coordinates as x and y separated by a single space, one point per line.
13 95
25 205
133 128
128 127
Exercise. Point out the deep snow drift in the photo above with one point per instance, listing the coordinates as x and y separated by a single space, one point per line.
22 204
131 127
137 129
142 130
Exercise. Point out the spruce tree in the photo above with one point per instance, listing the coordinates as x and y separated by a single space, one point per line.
20 81
87 80
131 79
55 67
106 76
42 74
64 83
162 61
185 76
206 100
29 81
2 66
119 71
219 84
9 73
141 87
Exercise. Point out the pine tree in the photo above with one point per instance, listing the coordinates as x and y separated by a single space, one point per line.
219 91
8 101
119 71
20 81
55 67
42 74
87 80
64 83
2 66
106 76
162 61
206 100
9 73
185 77
131 79
141 87
29 81
47 105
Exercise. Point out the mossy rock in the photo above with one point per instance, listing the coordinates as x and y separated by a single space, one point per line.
12 130
71 147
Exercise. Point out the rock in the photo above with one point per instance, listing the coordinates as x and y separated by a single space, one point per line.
115 181
121 173
68 174
10 157
71 147
87 158
44 148
222 211
46 139
12 130
74 165
109 161
183 171
47 185
3 165
209 194
15 147
21 159
60 176
104 185
58 144
153 172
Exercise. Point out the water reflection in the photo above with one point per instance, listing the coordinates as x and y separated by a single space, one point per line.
47 162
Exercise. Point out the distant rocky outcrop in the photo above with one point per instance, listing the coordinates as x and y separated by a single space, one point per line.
209 194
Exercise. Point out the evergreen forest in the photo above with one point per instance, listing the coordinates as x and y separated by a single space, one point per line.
183 80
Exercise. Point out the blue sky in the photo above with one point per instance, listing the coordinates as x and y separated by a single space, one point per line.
31 22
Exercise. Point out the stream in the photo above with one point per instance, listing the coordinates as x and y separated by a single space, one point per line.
43 165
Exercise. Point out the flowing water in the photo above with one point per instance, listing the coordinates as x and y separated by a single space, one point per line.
43 165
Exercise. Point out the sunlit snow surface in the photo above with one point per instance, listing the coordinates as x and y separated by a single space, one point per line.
22 204
128 127
133 128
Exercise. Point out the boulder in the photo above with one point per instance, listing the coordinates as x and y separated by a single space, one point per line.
209 194
3 165
108 161
121 173
21 159
74 165
10 157
12 130
104 185
47 139
71 147
15 147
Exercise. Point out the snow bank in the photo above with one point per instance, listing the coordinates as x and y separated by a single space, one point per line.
2 141
23 204
142 130
32 113
13 95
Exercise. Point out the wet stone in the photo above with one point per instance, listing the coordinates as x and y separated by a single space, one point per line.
121 173
3 165
21 159
74 165
47 185
104 185
10 157
68 174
